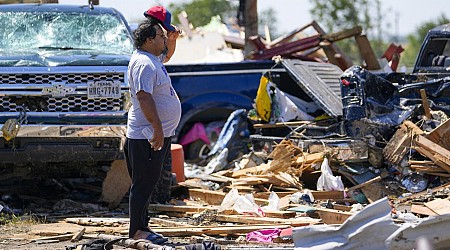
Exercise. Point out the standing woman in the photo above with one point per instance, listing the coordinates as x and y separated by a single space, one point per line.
156 106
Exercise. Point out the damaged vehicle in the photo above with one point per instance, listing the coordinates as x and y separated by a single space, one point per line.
63 86
379 102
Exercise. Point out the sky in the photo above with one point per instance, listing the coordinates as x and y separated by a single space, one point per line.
404 16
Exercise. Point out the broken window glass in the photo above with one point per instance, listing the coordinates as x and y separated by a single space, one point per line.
46 31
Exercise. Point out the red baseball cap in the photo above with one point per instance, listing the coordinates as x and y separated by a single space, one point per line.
163 15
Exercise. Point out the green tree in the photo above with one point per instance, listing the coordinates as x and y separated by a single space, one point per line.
200 11
415 40
337 15
268 17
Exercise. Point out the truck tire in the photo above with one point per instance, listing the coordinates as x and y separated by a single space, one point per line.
197 151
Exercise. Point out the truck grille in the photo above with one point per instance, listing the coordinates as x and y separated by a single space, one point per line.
70 103
67 78
60 104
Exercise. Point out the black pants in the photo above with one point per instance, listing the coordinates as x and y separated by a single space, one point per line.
144 166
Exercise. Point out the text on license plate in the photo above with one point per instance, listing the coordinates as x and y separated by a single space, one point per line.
103 89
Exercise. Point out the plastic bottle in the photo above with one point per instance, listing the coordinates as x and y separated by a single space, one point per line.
148 133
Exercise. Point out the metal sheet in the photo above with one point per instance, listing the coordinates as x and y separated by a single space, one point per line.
321 81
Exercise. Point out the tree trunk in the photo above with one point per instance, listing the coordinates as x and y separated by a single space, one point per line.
250 24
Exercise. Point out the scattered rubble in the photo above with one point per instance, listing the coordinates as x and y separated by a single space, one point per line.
372 171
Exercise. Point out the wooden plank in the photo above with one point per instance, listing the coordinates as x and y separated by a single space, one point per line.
215 197
268 214
328 195
79 235
425 104
280 214
169 223
421 209
281 124
97 221
309 158
332 216
343 34
241 189
441 135
182 209
440 174
374 191
295 222
222 230
334 54
400 143
439 206
62 237
367 52
265 195
252 170
376 179
342 207
439 155
417 195
116 184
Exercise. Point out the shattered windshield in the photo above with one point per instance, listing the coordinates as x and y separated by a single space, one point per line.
28 32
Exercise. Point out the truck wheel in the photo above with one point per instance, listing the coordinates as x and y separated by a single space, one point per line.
197 150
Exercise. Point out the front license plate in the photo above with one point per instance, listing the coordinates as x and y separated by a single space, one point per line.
103 89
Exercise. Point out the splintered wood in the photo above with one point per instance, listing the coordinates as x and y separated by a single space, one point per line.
434 145
400 144
291 159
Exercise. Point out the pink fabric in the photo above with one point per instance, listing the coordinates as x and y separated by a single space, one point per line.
196 132
263 236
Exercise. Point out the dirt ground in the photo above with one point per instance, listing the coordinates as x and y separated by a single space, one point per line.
31 236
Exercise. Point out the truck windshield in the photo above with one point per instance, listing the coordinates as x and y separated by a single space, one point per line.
28 31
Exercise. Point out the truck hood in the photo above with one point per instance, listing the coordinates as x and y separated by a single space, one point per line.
56 58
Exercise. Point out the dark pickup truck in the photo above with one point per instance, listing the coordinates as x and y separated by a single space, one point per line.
64 92
63 86
375 103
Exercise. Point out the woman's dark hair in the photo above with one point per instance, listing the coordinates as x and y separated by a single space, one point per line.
146 29
153 20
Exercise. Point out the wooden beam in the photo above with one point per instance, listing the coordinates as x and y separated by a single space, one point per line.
400 143
328 195
376 179
439 206
335 55
439 155
426 106
332 216
281 124
295 222
251 170
222 230
367 52
215 197
441 135
116 183
417 195
181 209
333 37
422 210
169 223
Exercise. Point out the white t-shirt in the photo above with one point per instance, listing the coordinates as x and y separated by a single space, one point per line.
147 73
